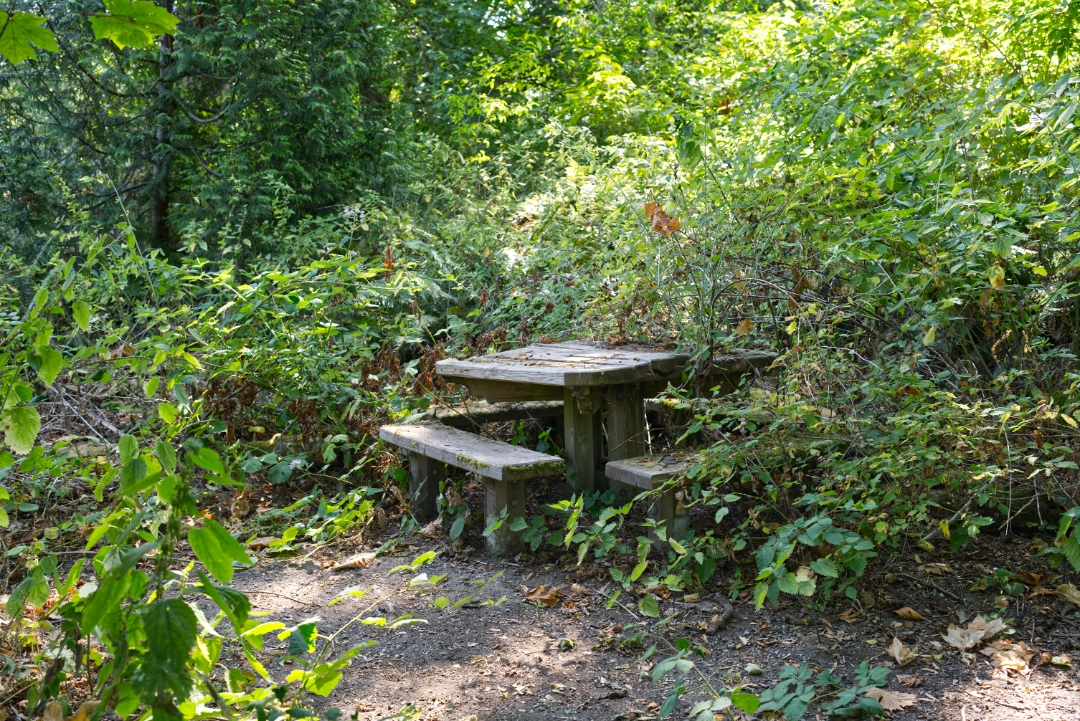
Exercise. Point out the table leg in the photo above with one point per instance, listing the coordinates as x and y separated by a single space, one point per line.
625 431
581 430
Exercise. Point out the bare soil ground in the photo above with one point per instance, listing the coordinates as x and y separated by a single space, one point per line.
579 658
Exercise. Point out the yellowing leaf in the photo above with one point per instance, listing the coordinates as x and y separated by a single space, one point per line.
997 277
1069 592
928 339
745 327
1069 419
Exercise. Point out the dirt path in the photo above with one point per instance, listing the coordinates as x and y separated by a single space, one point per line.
578 658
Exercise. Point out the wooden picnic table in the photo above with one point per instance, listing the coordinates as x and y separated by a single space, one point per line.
589 378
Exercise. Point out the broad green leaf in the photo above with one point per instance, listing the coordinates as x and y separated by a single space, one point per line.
748 702
171 628
3 518
165 455
52 361
106 598
649 606
208 460
133 23
638 570
24 422
168 412
80 311
20 32
128 447
217 549
150 387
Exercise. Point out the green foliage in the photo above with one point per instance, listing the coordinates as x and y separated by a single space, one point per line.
798 688
135 23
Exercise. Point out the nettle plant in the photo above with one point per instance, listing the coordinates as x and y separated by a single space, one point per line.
159 638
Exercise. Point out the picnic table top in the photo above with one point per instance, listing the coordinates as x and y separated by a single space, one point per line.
577 363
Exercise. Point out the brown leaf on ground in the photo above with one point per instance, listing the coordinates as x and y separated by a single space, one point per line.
84 712
543 594
360 560
901 652
1069 592
976 631
910 614
937 569
662 223
910 680
1009 656
1033 579
892 700
1044 591
850 615
260 542
53 712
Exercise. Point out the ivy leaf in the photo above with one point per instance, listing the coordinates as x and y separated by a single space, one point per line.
171 627
133 23
23 424
217 550
18 31
80 310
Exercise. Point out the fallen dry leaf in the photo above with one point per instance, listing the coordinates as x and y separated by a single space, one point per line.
910 680
901 652
1033 579
976 631
1044 591
543 594
892 700
360 560
1009 656
937 569
261 542
53 712
850 615
1069 592
909 613
84 712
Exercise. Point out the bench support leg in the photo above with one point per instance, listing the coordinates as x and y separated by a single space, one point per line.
625 432
497 496
583 439
662 509
425 475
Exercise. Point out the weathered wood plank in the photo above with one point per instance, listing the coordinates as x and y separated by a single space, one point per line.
501 392
497 496
567 364
648 473
625 426
483 456
425 476
581 430
472 414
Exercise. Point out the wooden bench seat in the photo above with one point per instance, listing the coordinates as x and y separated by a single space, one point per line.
475 413
651 472
502 467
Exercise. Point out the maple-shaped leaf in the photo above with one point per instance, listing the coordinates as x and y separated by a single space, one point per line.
18 31
662 223
133 23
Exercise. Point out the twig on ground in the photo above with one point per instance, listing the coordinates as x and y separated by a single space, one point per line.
931 584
